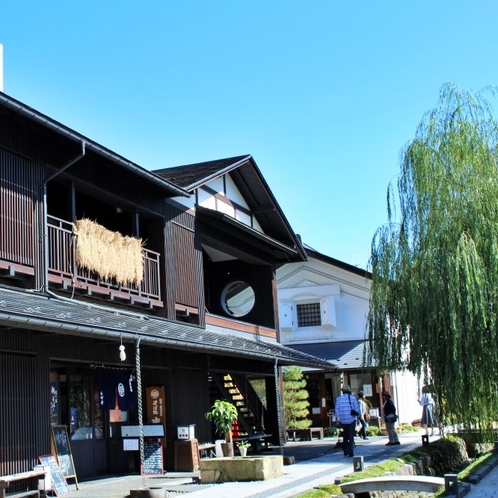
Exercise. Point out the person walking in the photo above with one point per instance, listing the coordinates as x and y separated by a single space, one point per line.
390 417
426 401
364 415
346 412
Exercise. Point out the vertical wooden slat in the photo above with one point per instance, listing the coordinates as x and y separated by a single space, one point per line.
16 209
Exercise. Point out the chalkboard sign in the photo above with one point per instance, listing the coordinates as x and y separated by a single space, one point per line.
59 483
153 458
63 451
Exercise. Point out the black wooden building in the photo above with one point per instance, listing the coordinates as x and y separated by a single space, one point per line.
211 233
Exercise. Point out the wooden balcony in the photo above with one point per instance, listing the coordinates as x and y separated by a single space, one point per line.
64 271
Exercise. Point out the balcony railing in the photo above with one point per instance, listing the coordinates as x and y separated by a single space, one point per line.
64 270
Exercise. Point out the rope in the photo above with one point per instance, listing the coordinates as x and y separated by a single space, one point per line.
140 410
279 408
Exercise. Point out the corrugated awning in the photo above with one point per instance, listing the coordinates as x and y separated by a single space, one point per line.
32 310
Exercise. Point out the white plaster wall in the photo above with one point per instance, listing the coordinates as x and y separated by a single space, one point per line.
405 394
314 280
207 200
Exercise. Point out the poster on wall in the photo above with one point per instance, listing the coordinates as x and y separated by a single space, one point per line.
367 389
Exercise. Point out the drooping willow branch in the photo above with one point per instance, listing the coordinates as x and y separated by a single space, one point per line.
434 297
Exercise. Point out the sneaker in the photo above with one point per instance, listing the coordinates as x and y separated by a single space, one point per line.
396 443
390 444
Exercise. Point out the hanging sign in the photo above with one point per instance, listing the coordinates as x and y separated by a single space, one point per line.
155 405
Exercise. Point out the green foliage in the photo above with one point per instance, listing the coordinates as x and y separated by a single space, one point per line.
331 431
435 265
408 428
295 398
222 414
373 430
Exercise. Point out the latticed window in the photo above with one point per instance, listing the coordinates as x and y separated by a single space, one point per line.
308 315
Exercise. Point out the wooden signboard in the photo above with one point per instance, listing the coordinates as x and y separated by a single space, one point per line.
153 458
59 483
62 449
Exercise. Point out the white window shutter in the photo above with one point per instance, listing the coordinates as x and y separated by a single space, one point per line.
286 315
327 309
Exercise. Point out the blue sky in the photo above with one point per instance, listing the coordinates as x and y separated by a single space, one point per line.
323 94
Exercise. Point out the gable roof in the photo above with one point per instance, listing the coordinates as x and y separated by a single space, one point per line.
251 184
336 262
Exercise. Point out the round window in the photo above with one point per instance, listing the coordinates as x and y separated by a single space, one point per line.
237 298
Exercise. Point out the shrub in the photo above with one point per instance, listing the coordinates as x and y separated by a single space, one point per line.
373 430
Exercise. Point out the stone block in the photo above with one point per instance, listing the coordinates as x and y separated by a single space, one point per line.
241 469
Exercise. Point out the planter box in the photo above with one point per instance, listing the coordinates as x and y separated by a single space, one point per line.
241 469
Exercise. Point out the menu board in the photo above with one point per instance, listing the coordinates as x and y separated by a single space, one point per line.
59 483
153 458
63 450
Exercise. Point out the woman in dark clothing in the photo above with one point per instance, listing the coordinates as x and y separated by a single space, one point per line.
390 417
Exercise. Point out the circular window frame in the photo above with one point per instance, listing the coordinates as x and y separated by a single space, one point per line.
245 309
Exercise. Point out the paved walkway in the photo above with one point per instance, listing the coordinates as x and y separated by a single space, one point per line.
317 462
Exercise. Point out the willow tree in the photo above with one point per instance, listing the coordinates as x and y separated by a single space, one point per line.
434 297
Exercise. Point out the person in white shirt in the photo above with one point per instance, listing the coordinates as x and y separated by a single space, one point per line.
426 401
363 418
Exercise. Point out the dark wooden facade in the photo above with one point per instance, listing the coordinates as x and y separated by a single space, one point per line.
50 177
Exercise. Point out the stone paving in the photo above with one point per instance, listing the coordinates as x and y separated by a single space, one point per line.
317 462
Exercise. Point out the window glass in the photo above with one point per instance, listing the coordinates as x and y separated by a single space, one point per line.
237 298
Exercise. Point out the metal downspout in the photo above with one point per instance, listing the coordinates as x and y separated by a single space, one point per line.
45 212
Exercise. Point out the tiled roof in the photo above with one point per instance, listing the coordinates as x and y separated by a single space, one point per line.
345 355
32 310
190 176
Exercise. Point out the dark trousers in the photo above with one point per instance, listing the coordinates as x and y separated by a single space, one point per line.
348 431
363 433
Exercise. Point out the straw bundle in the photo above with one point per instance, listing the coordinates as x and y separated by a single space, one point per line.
109 254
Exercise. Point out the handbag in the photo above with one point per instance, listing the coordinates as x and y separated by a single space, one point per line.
392 417
354 413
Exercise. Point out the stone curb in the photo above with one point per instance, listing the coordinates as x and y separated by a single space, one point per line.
484 471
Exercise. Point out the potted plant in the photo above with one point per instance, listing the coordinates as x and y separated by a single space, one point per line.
243 446
222 414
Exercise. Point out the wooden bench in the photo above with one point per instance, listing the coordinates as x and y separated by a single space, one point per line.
206 450
305 434
31 476
315 430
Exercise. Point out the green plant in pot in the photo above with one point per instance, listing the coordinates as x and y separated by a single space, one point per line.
243 446
222 414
